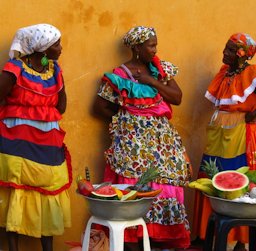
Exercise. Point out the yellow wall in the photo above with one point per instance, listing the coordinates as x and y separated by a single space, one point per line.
191 34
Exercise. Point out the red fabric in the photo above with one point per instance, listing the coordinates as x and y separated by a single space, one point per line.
30 100
51 138
41 113
29 84
170 236
251 145
157 63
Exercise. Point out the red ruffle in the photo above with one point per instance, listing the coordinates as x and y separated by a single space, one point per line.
156 62
51 138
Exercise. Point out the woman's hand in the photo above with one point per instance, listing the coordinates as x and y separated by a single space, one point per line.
169 90
62 101
143 78
250 116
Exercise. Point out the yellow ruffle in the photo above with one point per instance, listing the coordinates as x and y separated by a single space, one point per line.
26 172
46 75
33 214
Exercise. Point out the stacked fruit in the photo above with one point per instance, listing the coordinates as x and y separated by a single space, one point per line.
107 191
228 184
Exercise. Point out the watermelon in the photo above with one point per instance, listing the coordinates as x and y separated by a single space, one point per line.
230 184
105 192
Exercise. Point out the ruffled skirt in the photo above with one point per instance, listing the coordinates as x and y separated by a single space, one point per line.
34 177
166 219
227 142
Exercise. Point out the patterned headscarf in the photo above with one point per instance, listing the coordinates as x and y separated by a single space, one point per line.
35 38
138 35
245 43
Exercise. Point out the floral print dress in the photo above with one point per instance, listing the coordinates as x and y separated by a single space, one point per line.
142 136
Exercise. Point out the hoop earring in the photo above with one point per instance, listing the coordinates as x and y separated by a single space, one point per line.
44 60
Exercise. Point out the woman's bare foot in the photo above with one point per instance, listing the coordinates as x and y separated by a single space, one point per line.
239 246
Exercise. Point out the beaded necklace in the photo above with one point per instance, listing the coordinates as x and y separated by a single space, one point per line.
231 75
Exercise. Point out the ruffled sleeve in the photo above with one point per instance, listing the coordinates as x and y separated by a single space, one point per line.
233 93
108 93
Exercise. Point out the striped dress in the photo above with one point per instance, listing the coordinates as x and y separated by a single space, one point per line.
35 165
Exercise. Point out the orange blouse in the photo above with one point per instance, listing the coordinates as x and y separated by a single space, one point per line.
234 93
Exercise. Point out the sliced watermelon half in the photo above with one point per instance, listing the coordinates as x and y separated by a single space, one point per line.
230 184
104 192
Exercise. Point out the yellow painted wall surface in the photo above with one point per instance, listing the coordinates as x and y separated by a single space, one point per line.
191 34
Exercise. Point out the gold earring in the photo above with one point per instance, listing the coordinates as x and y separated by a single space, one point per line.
137 56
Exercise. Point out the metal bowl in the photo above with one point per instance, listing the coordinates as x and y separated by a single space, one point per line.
118 210
233 208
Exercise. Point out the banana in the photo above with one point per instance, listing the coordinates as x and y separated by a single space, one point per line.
192 184
204 181
208 189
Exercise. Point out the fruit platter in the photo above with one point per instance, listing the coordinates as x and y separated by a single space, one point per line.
118 201
231 193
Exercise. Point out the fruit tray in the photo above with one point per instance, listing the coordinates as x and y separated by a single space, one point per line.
232 208
118 210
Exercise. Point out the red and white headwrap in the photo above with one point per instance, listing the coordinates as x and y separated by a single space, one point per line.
246 45
35 38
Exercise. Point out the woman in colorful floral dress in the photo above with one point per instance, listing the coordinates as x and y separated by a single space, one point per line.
231 133
35 165
137 96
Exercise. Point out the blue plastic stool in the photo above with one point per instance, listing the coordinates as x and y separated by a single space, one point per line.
219 227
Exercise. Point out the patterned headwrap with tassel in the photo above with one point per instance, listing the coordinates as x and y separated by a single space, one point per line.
246 45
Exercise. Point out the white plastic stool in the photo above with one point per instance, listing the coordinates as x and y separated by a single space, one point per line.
116 233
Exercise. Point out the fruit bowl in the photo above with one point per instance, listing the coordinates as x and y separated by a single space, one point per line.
118 210
233 208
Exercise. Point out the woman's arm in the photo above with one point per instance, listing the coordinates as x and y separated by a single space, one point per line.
169 90
7 80
104 108
62 101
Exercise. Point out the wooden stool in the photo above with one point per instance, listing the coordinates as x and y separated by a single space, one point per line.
116 233
220 225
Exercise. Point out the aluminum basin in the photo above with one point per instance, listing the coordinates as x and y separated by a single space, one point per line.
118 210
233 208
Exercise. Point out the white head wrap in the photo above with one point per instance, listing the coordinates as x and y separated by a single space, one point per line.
35 38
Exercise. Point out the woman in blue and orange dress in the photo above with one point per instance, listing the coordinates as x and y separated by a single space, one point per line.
231 133
137 97
35 165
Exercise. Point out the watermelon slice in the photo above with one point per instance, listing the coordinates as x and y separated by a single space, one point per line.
230 184
105 192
